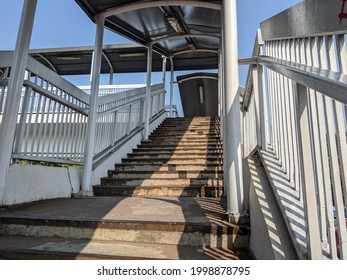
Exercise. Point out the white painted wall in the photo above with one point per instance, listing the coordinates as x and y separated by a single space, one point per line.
270 239
28 183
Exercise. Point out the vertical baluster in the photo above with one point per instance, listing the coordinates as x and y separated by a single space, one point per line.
308 182
321 112
312 58
57 129
285 114
294 118
53 124
41 126
23 119
332 127
279 117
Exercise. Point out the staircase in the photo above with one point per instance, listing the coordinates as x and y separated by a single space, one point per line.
183 158
164 201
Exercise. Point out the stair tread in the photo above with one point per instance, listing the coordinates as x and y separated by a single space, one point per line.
142 210
68 248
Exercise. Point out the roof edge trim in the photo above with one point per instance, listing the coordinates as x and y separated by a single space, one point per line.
158 3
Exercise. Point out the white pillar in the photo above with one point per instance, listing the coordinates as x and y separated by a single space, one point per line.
172 77
9 121
148 91
91 129
232 133
164 69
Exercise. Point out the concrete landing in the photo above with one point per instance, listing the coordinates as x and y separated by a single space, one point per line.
153 209
121 228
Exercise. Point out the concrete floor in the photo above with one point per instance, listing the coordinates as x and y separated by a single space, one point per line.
154 209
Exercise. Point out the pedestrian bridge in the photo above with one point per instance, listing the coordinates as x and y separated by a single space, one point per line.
89 174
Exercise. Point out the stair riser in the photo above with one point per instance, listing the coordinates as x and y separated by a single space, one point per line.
184 183
167 156
159 191
147 167
182 146
195 238
171 161
178 151
163 175
185 134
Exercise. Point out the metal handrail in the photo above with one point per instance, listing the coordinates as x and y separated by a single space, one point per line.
54 114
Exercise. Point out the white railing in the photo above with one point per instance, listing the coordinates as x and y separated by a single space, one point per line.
111 89
174 111
121 114
297 106
53 115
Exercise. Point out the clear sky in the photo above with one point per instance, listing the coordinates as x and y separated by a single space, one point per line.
61 23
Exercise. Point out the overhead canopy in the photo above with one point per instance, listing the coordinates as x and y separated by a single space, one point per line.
125 58
195 25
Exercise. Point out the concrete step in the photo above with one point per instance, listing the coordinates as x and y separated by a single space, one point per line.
164 174
174 142
183 221
180 182
197 129
175 134
200 138
190 128
182 145
179 150
167 167
43 248
173 156
165 190
170 161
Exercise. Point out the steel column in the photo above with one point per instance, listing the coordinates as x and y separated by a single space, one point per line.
232 137
9 121
164 69
92 116
171 83
148 91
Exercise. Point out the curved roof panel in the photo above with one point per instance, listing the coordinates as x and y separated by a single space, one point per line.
144 21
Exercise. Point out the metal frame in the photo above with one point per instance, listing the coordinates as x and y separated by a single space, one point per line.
151 4
9 120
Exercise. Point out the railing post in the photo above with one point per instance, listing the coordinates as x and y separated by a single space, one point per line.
164 69
308 179
258 87
9 121
92 115
232 137
172 77
148 91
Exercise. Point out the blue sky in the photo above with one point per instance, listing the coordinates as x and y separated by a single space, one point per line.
61 23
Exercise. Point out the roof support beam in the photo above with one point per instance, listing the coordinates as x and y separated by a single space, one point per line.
151 4
198 77
195 51
185 36
49 63
111 68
